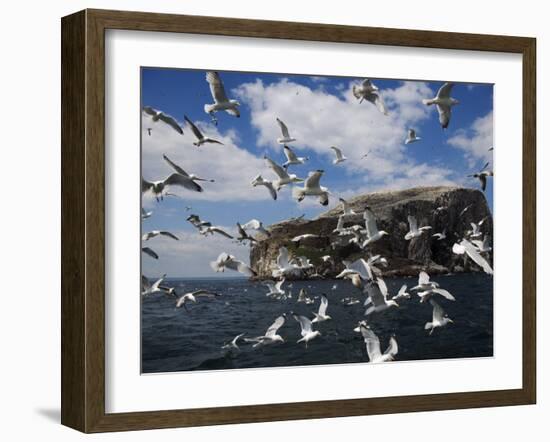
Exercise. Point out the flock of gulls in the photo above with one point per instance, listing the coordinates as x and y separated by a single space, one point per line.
364 273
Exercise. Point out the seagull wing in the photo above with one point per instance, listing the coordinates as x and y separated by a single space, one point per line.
438 312
474 254
375 294
445 90
146 185
378 102
271 188
392 348
177 179
444 293
284 129
220 231
423 278
150 252
323 306
145 284
313 179
289 153
383 287
305 324
281 173
171 121
444 115
174 166
168 234
239 266
337 151
372 342
204 294
253 224
370 222
402 290
157 283
216 87
272 330
194 128
149 110
412 134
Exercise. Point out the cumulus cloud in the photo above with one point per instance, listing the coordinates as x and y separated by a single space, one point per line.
230 165
476 140
318 120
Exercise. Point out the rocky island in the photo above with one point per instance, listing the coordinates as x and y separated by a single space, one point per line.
449 209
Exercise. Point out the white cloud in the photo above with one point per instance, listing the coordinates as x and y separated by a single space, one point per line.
476 140
318 119
231 166
191 255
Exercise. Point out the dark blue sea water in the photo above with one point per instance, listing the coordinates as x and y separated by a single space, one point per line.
179 340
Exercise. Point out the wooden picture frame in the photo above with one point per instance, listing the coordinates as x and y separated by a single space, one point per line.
83 219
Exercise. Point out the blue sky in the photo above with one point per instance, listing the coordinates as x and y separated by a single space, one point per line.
319 112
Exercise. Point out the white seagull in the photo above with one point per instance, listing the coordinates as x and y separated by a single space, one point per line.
467 247
424 282
346 209
291 158
260 181
192 297
373 234
201 139
275 289
377 300
368 91
440 236
284 177
222 103
321 315
439 318
159 115
147 236
482 176
157 187
256 225
150 289
286 138
340 157
373 346
226 261
307 331
411 137
271 335
312 187
428 294
444 103
283 266
402 294
414 230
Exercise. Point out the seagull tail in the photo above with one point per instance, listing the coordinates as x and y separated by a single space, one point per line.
428 102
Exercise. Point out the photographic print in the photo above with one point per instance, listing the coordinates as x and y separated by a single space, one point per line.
300 220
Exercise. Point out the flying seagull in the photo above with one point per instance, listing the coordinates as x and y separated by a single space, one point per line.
339 155
270 336
428 294
291 157
226 261
321 314
402 293
210 230
424 282
377 300
373 234
176 179
197 222
373 346
346 209
368 91
159 115
256 225
275 288
179 170
286 138
467 247
147 236
306 329
192 297
439 318
411 137
222 103
284 177
283 266
482 176
243 235
201 139
150 252
444 103
440 236
414 230
150 289
260 181
312 187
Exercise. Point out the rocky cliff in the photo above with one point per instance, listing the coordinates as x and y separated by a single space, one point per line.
439 207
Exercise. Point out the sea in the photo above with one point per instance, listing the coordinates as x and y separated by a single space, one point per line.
174 340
